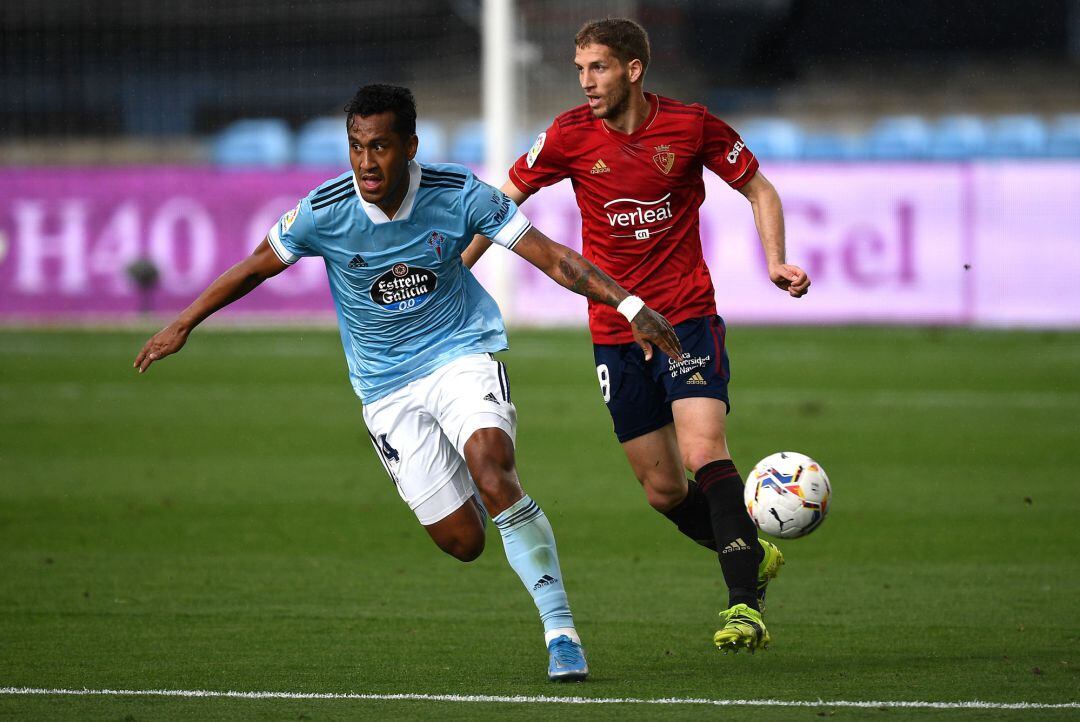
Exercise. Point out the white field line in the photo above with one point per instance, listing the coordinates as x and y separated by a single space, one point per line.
498 699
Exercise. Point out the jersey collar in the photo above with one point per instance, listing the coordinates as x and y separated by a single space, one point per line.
654 110
376 214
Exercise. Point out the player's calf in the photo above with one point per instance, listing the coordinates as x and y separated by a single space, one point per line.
692 517
733 529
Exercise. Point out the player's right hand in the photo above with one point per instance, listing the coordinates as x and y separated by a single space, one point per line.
167 341
650 328
789 278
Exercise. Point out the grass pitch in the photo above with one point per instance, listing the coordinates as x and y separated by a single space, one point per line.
222 523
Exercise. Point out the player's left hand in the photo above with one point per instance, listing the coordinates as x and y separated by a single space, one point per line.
789 278
650 328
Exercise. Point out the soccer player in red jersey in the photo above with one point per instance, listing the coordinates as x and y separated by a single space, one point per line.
635 160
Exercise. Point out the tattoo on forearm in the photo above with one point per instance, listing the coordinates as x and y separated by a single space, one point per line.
583 277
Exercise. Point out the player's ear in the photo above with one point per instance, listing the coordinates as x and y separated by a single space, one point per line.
634 70
411 145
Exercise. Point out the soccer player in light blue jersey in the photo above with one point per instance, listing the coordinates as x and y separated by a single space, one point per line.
419 333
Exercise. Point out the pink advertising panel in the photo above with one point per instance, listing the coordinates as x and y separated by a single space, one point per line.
884 243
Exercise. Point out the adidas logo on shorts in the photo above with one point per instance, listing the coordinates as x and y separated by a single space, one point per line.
491 397
697 379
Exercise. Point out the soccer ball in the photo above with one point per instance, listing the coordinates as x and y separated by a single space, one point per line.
787 495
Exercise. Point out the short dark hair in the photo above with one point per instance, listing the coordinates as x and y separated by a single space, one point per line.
627 40
375 99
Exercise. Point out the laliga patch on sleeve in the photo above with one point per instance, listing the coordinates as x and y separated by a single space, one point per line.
536 148
288 218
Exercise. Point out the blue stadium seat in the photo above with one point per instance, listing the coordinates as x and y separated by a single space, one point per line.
773 138
832 146
468 145
266 143
958 137
1016 136
434 142
899 137
323 142
1064 140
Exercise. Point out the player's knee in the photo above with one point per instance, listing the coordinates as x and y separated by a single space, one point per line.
491 463
664 498
499 491
694 459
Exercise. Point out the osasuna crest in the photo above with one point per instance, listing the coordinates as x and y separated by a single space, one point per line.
664 158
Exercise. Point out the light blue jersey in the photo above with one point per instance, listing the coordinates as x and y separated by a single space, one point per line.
406 304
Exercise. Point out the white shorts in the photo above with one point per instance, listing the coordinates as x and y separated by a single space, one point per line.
420 431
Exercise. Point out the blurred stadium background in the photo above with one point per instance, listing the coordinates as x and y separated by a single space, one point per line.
220 523
928 153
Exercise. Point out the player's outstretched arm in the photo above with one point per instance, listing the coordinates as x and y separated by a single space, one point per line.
480 244
769 219
571 270
235 283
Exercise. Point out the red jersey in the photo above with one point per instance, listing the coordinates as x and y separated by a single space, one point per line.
639 196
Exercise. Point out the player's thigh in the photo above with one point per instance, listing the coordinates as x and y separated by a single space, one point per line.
427 471
471 393
697 389
489 454
634 398
701 430
471 399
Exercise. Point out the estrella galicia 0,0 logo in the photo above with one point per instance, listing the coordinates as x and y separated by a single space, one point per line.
404 287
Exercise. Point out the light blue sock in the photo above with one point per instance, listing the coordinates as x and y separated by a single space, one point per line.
530 549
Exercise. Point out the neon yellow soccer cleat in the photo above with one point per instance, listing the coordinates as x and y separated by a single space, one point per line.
743 629
767 570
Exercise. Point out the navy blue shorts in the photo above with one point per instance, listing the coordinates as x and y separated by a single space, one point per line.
638 394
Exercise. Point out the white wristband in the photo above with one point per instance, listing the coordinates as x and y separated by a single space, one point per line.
629 307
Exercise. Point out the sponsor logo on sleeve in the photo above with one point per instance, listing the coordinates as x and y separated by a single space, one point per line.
404 287
538 146
288 218
501 201
735 150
